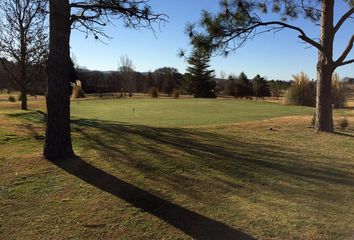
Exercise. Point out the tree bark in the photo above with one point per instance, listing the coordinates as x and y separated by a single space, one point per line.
24 99
325 69
58 134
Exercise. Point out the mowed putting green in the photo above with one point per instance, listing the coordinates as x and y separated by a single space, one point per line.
182 112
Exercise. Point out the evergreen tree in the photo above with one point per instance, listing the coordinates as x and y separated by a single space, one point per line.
260 87
243 86
231 86
199 79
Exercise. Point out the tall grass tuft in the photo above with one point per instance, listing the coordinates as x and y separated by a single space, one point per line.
78 92
338 91
302 92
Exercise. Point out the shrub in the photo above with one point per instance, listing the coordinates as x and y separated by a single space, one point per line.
78 92
343 123
153 92
338 91
302 92
12 99
313 120
175 93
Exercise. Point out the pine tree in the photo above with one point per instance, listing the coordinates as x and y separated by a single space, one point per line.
199 79
243 86
260 87
231 86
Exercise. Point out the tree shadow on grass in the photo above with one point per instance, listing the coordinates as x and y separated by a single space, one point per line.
347 133
229 155
179 159
191 223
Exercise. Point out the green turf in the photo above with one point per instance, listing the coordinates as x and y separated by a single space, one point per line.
153 179
182 112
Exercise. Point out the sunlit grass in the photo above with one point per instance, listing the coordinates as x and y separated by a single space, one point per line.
182 112
284 183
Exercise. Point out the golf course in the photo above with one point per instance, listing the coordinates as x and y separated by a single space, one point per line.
177 169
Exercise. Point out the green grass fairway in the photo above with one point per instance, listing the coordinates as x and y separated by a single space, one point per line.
182 112
179 169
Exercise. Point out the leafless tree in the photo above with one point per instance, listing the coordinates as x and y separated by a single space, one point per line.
128 74
23 42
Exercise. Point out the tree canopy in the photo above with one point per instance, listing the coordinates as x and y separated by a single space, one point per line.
199 78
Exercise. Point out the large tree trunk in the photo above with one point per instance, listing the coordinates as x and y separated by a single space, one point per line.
24 99
325 68
58 139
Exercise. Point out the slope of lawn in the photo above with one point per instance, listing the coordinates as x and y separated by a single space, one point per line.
161 180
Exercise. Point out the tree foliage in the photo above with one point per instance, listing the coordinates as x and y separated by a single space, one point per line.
277 87
167 79
199 78
91 16
260 87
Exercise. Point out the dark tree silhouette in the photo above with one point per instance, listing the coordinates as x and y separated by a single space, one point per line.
260 87
167 79
277 87
199 79
243 86
89 16
231 85
128 73
23 42
239 21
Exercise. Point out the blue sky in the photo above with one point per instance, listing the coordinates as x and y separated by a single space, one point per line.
275 56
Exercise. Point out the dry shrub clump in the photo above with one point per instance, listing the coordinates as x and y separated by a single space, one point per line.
78 92
338 91
302 91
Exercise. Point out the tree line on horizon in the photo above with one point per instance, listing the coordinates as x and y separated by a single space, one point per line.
165 79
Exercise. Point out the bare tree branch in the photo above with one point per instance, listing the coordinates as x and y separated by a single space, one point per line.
345 53
343 19
93 15
346 62
244 33
302 35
